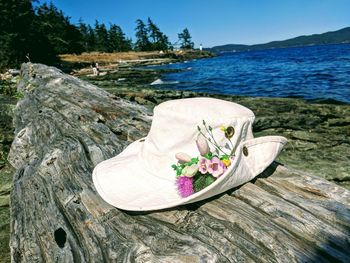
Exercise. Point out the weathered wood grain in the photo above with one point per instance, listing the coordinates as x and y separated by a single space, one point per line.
65 126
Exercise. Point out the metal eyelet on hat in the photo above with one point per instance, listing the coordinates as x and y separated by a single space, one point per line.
229 132
245 151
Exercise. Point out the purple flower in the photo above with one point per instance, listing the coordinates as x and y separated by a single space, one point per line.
203 165
216 167
185 185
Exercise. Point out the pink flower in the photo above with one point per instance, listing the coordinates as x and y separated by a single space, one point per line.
216 167
202 145
185 185
202 165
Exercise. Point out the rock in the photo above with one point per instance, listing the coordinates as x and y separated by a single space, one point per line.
64 126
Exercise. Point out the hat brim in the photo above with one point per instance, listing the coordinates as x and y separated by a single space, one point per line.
124 182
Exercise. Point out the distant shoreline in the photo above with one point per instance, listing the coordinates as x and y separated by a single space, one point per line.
341 36
273 48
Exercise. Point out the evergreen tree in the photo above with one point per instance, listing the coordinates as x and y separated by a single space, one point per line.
159 41
128 44
153 31
15 21
19 35
83 28
164 43
43 32
117 40
101 34
91 39
185 39
142 42
63 36
74 39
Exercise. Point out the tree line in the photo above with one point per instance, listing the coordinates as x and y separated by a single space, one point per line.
40 32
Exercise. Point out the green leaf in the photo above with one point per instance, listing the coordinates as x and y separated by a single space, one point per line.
195 160
179 171
202 181
224 157
178 168
209 156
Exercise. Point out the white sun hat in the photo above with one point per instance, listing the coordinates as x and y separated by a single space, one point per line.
141 178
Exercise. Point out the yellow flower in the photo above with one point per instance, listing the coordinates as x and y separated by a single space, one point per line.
223 128
226 162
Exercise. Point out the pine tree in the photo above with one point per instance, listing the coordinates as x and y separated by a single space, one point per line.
20 35
43 32
101 34
153 31
128 44
185 39
91 39
117 40
83 29
164 43
63 36
159 41
15 22
142 42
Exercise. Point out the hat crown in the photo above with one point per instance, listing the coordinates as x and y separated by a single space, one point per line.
174 124
199 108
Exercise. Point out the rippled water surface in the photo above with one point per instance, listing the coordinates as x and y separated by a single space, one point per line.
313 72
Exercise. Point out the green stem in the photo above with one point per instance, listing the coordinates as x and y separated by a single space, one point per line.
233 149
213 143
208 139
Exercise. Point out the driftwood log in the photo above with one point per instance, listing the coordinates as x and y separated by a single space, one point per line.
65 126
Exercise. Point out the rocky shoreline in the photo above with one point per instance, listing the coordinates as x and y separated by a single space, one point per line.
318 133
80 65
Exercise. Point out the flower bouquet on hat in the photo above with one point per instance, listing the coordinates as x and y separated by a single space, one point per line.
196 173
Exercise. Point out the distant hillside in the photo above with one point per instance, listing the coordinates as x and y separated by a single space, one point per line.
334 37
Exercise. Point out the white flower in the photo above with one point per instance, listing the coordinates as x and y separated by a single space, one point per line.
190 171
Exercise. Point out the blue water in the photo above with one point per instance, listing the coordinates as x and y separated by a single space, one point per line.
313 72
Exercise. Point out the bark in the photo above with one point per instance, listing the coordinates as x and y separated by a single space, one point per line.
65 126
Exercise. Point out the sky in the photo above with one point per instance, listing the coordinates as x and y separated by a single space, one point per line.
216 22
